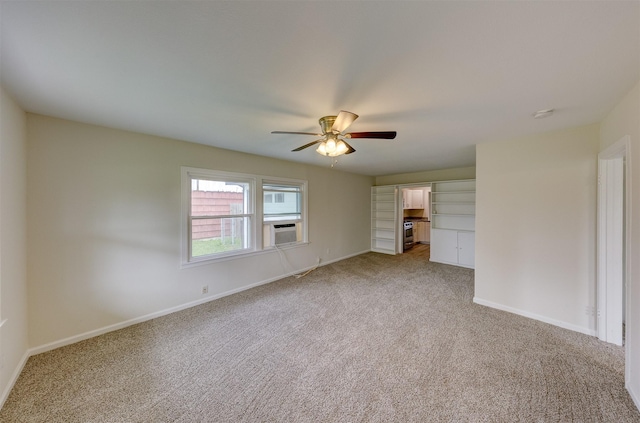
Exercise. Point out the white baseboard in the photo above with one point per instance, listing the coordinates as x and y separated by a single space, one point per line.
559 323
343 258
14 377
633 395
96 332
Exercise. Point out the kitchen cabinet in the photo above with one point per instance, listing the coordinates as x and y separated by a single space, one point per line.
453 222
417 198
427 233
417 231
412 199
421 232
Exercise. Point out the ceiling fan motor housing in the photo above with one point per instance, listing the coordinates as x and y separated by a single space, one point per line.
326 123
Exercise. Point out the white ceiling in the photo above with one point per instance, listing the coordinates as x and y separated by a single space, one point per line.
444 75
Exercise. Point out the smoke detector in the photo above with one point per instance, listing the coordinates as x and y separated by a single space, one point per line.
540 114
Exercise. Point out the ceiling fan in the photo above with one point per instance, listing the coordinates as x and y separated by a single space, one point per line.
333 142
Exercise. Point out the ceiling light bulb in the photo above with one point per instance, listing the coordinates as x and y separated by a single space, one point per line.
341 148
331 145
322 149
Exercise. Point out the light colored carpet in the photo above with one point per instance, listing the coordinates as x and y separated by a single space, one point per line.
374 338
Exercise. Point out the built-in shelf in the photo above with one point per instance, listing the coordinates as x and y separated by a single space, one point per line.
453 208
383 219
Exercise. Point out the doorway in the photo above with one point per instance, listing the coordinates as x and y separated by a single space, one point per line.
614 196
415 218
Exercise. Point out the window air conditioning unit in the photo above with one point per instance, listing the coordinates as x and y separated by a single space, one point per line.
283 233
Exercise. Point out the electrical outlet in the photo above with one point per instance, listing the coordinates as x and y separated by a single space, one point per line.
205 289
590 311
328 252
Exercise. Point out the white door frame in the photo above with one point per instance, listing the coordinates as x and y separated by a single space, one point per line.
614 235
400 211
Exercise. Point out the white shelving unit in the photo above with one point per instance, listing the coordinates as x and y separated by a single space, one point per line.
453 222
383 219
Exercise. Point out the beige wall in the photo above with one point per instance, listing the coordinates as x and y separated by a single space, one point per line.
13 255
104 227
624 120
428 176
535 226
104 233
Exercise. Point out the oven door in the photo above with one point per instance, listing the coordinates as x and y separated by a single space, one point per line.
408 235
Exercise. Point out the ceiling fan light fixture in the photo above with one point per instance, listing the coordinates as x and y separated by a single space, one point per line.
341 148
331 148
322 149
331 145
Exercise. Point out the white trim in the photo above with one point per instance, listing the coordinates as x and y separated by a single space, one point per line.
617 149
620 149
400 211
534 316
610 249
241 256
96 332
14 376
634 397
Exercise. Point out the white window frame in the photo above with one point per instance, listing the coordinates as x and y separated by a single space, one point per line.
255 206
302 186
290 183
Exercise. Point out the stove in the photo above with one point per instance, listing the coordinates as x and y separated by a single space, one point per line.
407 235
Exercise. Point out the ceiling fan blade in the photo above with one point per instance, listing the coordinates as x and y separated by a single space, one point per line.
350 149
388 135
343 120
299 133
308 145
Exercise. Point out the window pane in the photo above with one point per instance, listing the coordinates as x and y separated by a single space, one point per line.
218 198
211 236
286 202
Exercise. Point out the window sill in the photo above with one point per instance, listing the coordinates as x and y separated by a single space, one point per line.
266 250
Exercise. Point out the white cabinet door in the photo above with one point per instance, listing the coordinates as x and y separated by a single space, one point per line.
466 248
427 232
453 247
418 230
412 199
444 246
417 199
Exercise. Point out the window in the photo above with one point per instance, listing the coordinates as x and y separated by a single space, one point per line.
221 215
282 219
287 201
